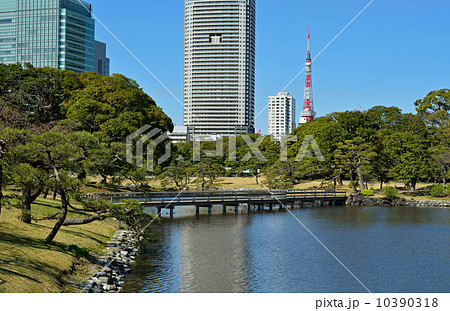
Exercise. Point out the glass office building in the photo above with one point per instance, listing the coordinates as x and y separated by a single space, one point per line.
102 63
47 33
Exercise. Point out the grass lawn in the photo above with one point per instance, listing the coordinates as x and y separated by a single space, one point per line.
250 182
27 265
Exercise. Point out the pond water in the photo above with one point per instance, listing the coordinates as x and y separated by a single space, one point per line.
387 249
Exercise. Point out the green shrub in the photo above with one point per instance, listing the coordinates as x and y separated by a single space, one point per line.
356 185
437 191
390 191
368 192
78 251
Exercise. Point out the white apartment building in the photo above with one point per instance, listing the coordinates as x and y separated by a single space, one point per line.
219 67
180 134
281 115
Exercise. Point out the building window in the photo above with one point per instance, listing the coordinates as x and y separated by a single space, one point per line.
215 39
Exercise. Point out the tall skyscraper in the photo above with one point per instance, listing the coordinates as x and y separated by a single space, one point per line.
219 67
281 115
47 33
101 61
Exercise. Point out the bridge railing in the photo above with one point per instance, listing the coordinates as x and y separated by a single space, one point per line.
216 196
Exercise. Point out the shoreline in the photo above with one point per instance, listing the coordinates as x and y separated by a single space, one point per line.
112 267
358 199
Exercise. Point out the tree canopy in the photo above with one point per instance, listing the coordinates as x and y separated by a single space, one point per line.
59 127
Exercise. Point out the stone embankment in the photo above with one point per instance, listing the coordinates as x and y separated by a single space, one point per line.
358 199
115 264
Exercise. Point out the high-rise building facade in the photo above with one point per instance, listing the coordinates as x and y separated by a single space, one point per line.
101 61
281 115
47 33
219 67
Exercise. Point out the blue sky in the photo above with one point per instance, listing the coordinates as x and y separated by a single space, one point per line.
393 54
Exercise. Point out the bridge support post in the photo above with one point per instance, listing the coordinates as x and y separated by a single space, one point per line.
209 210
224 208
301 204
292 204
172 209
197 210
159 209
236 208
249 206
270 206
314 203
321 203
333 203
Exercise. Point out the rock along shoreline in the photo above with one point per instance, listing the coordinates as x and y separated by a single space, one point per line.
358 199
115 264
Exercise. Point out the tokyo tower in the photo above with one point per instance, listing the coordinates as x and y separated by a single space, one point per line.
308 114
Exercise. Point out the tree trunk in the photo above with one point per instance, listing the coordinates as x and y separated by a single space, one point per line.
55 192
101 179
64 204
45 194
61 219
257 179
361 179
28 197
413 185
352 182
381 182
26 211
83 221
82 175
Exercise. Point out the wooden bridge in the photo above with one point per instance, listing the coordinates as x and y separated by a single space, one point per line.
256 199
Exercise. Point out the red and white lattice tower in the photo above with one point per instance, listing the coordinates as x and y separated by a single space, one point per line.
308 114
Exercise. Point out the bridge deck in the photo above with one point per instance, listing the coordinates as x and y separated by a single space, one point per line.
208 198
